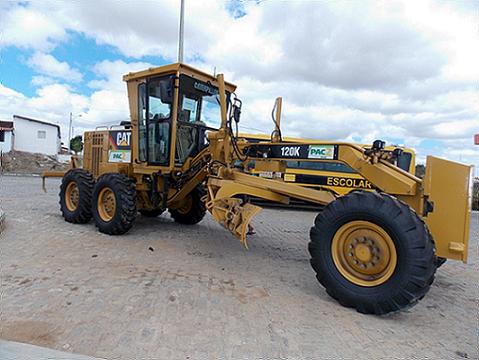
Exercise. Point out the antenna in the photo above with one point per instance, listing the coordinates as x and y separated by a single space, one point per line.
182 30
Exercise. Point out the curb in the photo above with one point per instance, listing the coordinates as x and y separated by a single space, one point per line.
11 350
21 174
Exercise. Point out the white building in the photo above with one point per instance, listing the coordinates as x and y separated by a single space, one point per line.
6 136
35 136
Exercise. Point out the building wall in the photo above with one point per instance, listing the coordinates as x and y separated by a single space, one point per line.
6 145
35 137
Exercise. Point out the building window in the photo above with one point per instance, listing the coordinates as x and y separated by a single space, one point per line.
42 134
2 135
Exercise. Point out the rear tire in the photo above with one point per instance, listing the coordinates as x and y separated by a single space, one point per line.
402 251
114 204
75 196
194 209
151 212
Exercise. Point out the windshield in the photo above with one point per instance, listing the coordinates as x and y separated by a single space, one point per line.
199 103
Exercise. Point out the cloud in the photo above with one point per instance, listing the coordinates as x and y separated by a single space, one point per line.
343 45
401 71
110 73
23 27
52 103
40 80
48 65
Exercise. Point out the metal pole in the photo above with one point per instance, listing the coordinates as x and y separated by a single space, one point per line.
180 40
70 132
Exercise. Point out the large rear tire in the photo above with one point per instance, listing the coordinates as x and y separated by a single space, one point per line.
372 252
193 209
114 204
75 196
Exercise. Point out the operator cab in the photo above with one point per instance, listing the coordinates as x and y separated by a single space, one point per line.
174 101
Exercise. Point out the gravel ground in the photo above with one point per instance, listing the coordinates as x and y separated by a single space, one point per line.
165 291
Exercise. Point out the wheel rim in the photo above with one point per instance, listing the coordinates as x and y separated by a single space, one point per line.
364 253
106 204
72 196
186 206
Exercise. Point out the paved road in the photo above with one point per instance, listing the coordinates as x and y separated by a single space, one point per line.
165 291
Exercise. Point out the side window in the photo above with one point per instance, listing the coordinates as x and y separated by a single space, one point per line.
42 134
142 122
160 97
159 107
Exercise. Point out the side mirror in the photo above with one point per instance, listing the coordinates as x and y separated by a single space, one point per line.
237 109
236 113
397 152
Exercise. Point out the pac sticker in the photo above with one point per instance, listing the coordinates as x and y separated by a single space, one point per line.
321 152
119 156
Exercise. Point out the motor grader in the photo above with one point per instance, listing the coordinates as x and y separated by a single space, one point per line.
376 251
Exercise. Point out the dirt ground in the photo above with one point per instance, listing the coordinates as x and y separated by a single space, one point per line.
166 291
20 162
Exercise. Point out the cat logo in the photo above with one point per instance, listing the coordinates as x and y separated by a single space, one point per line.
123 138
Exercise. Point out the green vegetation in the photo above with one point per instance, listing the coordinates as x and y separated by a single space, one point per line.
76 144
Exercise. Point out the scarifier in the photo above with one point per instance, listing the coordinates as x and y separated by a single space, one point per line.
376 251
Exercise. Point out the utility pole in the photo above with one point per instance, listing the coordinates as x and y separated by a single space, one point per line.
70 131
181 34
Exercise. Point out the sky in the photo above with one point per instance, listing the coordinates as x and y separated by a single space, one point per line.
406 72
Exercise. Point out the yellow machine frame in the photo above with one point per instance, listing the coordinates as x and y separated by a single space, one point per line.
363 245
339 182
445 182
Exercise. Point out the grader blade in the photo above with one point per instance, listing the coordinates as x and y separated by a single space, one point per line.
448 186
234 216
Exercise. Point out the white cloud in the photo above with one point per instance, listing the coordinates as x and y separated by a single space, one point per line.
40 80
26 28
52 103
110 73
48 65
403 71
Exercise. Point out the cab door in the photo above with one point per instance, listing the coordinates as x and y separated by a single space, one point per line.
156 120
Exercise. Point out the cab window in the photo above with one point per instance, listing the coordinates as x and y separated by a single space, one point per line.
142 122
160 96
199 111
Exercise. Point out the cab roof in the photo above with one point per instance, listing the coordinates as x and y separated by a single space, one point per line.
173 69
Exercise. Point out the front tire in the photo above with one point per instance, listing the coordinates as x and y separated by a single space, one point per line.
193 209
75 196
372 252
114 204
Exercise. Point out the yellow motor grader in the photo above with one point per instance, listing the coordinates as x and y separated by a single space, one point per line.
376 251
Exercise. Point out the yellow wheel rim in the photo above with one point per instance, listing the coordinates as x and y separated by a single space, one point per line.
364 253
186 206
106 204
72 196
